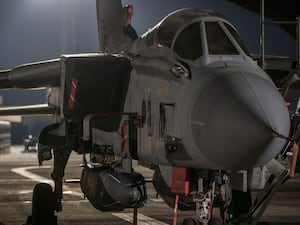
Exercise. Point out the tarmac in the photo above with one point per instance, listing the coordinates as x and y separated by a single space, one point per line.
19 172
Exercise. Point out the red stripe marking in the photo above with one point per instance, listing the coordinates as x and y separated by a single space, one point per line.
72 98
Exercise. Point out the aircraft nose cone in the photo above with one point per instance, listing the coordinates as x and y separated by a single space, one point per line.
235 120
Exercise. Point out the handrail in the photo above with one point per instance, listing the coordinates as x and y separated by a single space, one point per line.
262 34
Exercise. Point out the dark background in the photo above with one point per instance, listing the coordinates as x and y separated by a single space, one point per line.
35 30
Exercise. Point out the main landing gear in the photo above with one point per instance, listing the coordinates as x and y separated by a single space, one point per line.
44 201
43 206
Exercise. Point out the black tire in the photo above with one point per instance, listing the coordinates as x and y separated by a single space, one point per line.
240 204
43 205
189 221
297 169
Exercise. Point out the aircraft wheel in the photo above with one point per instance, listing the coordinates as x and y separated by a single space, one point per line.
43 205
297 169
240 204
189 221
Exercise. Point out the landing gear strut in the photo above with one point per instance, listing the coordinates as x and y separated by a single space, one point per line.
61 157
44 200
213 190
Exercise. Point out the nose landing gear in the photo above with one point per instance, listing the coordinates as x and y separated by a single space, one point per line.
213 190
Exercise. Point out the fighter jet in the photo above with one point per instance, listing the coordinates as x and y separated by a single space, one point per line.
185 99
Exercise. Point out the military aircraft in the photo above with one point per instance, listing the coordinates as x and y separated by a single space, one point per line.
185 99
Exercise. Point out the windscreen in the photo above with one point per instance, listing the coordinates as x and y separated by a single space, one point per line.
188 43
217 41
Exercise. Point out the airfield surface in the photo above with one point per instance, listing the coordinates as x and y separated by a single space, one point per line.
19 172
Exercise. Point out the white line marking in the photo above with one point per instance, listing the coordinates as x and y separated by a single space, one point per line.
22 171
25 192
27 202
5 181
142 219
156 200
64 202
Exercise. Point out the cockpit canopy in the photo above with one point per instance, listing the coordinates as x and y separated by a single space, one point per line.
191 33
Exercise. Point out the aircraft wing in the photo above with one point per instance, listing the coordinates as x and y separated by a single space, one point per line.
41 109
43 74
79 85
276 10
34 75
114 32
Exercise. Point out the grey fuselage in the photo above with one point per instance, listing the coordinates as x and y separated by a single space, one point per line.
209 107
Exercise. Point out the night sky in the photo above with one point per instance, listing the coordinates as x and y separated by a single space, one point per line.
34 30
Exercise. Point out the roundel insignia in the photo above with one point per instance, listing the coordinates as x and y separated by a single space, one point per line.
144 112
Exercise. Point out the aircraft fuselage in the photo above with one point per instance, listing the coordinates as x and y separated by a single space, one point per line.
217 111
